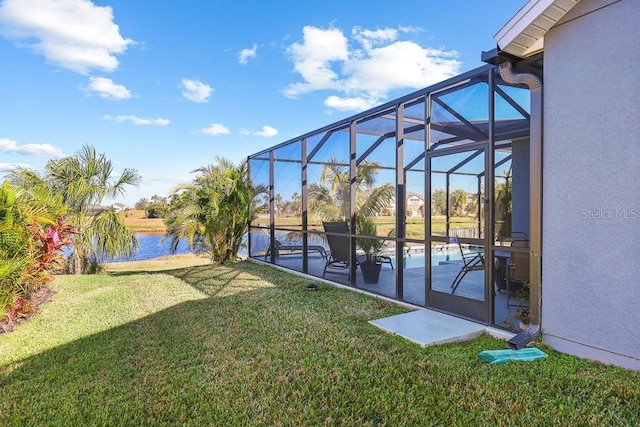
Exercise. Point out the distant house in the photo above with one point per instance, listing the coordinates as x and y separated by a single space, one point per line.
119 207
471 199
415 205
390 208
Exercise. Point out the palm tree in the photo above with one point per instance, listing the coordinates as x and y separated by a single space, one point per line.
438 202
279 203
458 200
158 200
297 203
83 181
143 204
329 199
503 205
213 212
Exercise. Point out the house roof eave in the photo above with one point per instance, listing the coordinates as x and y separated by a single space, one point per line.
523 35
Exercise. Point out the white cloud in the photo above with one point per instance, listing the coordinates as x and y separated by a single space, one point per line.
350 104
370 38
313 58
402 64
266 131
106 88
74 34
196 91
245 54
411 29
137 120
48 150
216 129
363 76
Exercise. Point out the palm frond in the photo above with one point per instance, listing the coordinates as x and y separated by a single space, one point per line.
111 236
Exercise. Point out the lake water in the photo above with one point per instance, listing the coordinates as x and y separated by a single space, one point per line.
151 246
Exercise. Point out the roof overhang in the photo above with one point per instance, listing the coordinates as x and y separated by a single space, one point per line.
523 35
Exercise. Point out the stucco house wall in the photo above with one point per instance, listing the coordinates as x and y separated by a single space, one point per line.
591 187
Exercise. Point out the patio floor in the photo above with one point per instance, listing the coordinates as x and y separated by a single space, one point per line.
443 274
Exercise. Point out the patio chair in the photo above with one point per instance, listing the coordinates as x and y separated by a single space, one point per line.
381 258
517 272
512 268
339 257
289 247
470 262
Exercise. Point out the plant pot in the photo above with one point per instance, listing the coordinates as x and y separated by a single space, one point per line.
371 272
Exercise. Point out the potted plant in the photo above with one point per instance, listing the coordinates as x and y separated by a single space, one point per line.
371 265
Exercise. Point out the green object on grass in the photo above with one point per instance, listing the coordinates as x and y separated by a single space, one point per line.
498 357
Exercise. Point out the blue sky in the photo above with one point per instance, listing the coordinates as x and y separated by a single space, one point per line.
164 86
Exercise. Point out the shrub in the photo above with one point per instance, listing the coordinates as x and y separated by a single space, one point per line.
157 211
31 239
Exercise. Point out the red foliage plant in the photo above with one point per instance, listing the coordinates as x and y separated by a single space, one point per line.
49 244
46 250
51 241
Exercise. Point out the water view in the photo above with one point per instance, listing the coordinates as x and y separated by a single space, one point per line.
151 246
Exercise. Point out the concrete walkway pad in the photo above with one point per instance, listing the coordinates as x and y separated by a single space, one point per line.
428 327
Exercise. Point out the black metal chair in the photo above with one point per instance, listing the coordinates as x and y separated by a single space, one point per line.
339 246
381 259
290 247
512 267
470 262
517 273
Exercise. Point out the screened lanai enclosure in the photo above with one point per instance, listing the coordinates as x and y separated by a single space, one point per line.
441 178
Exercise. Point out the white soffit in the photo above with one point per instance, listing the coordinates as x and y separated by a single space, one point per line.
523 35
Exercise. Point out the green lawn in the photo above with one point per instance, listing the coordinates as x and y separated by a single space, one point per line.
385 224
248 345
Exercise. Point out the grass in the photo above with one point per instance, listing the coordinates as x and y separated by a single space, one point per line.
385 224
248 345
136 220
158 264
